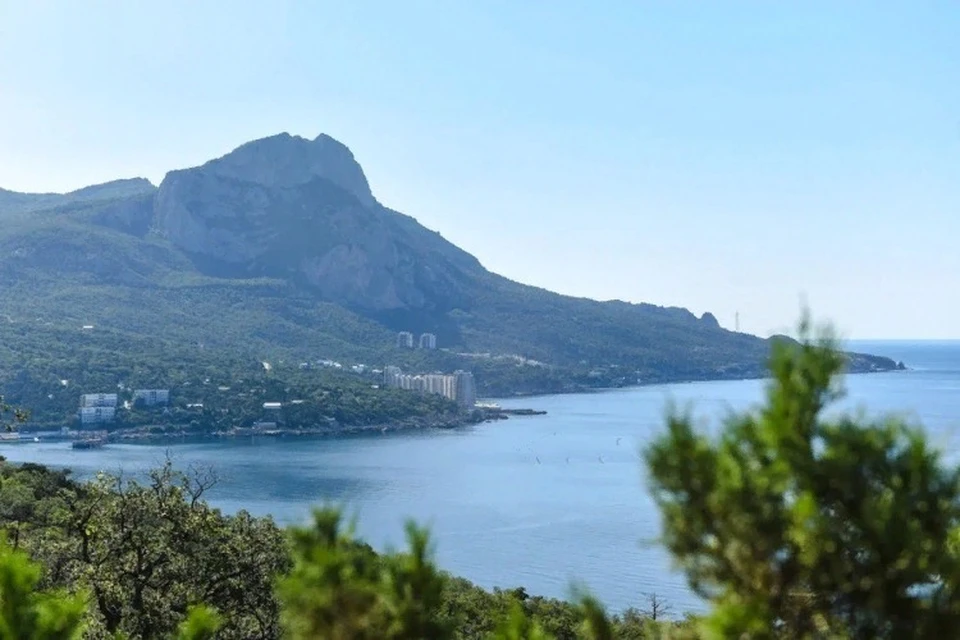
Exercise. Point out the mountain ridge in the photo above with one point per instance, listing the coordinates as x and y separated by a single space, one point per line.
123 187
285 230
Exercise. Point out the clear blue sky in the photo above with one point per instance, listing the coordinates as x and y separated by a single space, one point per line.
720 156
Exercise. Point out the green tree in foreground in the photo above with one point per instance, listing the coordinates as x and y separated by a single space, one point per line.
798 525
339 589
146 551
201 623
517 625
26 613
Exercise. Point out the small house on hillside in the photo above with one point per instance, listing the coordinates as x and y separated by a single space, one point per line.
272 413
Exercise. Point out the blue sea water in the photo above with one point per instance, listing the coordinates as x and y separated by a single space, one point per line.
532 501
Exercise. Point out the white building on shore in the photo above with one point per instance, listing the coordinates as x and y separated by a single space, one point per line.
97 415
466 389
458 386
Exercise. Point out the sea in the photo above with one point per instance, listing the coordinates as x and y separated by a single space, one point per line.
544 502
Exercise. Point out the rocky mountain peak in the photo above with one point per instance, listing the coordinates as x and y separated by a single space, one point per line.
285 160
301 210
710 320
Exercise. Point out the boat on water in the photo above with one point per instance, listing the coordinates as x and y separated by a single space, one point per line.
89 443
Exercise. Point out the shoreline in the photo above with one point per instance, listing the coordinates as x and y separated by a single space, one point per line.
247 432
136 435
655 383
139 435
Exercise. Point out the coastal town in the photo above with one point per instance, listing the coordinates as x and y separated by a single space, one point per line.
101 408
252 405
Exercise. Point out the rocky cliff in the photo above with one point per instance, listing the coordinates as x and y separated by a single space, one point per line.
300 209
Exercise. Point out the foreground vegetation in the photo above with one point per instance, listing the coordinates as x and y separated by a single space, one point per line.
142 555
789 523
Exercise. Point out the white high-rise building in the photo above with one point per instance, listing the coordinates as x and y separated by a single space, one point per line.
405 340
428 341
459 387
466 390
435 383
97 415
151 397
98 400
391 376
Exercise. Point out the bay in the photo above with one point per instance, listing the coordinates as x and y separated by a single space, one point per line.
538 501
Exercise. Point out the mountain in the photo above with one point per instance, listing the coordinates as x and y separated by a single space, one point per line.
280 249
302 211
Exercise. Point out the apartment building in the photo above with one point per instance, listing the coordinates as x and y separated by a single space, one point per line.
151 397
97 415
466 389
98 400
458 386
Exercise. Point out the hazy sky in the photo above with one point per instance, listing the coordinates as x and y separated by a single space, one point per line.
722 156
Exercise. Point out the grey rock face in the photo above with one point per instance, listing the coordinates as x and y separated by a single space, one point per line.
302 210
286 161
710 320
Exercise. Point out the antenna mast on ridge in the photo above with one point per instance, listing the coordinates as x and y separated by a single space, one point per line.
737 321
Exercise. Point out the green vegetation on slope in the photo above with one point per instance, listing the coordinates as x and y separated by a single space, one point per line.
47 368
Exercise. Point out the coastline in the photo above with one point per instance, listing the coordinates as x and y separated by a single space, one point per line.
325 431
143 435
487 415
584 390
